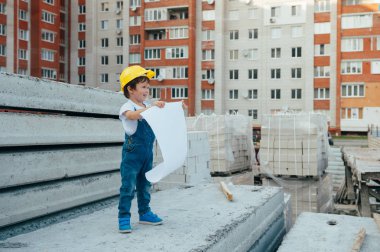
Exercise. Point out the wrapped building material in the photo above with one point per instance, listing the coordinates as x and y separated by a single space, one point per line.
230 139
294 144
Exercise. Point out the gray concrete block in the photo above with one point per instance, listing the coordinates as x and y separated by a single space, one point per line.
30 202
30 129
28 92
195 219
20 168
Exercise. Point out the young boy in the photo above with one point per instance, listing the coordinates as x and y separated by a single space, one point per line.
137 156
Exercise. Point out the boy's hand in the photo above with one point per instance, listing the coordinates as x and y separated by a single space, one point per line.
159 104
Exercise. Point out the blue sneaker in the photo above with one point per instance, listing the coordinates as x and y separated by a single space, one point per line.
150 219
125 225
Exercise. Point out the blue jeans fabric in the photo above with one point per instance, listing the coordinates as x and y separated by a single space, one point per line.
137 159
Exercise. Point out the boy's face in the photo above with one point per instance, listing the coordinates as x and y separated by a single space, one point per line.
141 92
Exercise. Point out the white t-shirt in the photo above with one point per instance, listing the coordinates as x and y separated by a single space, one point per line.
130 126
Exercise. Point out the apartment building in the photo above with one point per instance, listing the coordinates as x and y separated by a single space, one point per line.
34 38
358 64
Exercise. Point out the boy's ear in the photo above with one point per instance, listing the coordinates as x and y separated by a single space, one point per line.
129 89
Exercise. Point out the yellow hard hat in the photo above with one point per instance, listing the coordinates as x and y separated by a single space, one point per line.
132 72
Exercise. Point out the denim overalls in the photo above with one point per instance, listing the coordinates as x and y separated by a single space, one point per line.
137 159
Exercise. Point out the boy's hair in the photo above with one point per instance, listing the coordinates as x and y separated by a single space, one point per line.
132 84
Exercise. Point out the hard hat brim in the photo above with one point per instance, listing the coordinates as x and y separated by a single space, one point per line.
143 72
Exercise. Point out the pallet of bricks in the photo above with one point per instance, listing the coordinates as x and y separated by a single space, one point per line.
294 155
230 140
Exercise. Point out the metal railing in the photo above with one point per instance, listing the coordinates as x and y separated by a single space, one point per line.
374 130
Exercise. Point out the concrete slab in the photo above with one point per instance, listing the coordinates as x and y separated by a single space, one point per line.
196 219
312 233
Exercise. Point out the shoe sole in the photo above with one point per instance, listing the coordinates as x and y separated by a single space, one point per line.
125 231
151 223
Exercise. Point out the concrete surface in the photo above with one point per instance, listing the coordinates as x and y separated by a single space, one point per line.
51 95
29 129
195 219
312 233
20 168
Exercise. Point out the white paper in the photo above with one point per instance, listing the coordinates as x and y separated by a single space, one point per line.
169 126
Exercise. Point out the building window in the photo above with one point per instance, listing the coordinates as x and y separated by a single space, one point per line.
47 36
49 2
208 35
208 94
357 21
375 67
252 54
275 94
152 54
297 31
252 13
275 33
23 54
252 94
179 93
119 24
2 50
233 111
253 74
104 6
234 74
134 39
104 60
104 78
352 113
296 52
22 71
275 53
82 78
119 5
24 34
352 90
177 53
275 73
22 15
208 15
135 3
154 15
178 33
321 5
234 54
296 73
233 94
252 113
208 74
321 93
134 58
48 73
82 9
352 45
180 72
104 24
47 55
81 44
48 17
135 21
253 33
378 43
234 35
119 59
296 10
2 29
208 54
322 28
81 27
155 93
296 93
104 42
275 11
119 41
2 8
321 71
81 61
351 67
322 50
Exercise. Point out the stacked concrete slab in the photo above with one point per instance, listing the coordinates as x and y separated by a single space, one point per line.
294 144
230 139
307 195
195 219
329 232
196 167
60 147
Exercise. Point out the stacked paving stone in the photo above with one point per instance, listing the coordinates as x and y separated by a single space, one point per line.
196 167
294 144
230 141
336 167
